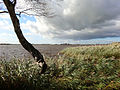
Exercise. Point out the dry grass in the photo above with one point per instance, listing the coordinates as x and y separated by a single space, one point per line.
77 68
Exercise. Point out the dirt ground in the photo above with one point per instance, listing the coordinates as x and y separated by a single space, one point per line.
10 51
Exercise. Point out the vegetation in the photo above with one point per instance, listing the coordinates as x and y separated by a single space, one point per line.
81 68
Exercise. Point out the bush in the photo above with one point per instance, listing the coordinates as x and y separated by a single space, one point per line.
94 67
81 68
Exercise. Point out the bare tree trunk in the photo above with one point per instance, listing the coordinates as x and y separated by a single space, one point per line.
29 47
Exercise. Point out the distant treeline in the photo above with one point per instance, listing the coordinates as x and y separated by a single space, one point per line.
5 44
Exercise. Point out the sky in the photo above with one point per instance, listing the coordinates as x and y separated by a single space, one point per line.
74 22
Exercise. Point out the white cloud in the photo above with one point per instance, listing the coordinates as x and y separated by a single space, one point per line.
6 35
5 23
8 38
81 20
4 16
76 20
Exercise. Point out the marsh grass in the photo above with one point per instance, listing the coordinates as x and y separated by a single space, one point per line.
77 68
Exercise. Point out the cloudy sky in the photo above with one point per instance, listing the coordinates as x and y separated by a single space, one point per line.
75 21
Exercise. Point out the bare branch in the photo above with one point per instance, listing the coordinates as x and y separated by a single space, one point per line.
8 12
23 11
3 11
26 9
33 14
39 8
40 14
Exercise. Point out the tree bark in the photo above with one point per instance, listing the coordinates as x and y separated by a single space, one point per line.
28 46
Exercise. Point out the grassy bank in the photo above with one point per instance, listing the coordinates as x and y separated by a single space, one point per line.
81 68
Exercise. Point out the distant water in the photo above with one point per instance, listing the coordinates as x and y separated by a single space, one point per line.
11 51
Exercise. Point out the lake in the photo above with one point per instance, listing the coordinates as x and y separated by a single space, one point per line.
16 50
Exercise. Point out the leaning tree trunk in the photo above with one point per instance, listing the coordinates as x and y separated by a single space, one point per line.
29 47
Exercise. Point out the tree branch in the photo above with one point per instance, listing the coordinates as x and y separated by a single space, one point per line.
40 14
26 10
19 13
3 11
8 12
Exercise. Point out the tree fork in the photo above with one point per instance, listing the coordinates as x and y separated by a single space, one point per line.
28 46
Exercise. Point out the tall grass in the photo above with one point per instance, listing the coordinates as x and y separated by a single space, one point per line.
81 68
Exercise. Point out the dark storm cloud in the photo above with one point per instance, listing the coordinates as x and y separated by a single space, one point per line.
82 19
